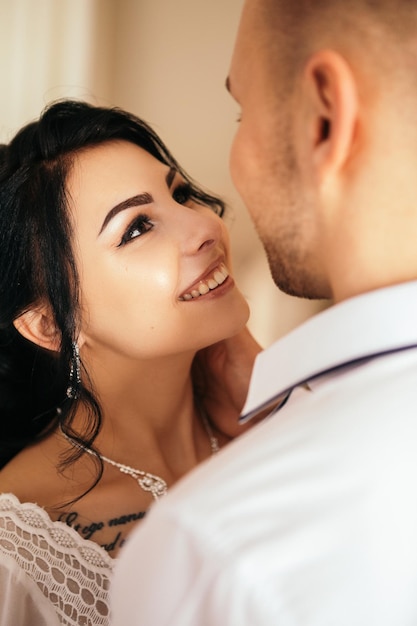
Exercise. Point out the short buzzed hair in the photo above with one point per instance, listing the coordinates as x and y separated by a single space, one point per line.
383 32
398 16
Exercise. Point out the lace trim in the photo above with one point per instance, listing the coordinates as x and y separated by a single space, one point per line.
72 572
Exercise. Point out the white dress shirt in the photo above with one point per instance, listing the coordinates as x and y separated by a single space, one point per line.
310 518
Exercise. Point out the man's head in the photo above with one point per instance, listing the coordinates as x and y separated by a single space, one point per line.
325 156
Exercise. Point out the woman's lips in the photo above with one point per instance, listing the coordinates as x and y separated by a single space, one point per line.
216 278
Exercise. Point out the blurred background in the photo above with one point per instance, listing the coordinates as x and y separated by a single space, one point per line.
165 61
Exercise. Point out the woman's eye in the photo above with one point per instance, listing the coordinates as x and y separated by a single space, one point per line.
182 194
140 225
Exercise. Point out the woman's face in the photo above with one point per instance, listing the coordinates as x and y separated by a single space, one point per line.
145 251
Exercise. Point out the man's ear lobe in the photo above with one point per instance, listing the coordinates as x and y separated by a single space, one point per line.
38 326
333 103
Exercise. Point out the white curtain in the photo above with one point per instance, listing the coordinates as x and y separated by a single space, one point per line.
47 51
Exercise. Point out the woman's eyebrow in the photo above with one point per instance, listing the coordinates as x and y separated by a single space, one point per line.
170 176
138 200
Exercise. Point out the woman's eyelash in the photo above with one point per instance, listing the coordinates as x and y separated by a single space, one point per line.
142 223
138 227
183 193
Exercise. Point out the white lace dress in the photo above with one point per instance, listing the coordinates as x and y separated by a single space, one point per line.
49 575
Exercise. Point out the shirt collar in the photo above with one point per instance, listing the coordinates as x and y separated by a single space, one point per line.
363 327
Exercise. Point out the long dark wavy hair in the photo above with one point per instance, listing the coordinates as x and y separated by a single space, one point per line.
37 265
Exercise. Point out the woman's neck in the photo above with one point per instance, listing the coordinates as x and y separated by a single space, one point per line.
149 413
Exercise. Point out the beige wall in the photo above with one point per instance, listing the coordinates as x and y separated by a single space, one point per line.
165 61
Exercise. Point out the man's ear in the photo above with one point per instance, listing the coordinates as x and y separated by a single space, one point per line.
38 326
332 103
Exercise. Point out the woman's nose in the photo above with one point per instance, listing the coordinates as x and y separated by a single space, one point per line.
201 230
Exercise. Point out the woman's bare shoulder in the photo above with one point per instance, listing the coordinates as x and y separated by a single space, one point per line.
33 474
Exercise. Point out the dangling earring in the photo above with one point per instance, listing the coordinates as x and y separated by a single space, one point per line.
73 389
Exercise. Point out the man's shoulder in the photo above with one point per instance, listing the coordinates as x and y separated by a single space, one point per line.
354 413
298 499
363 327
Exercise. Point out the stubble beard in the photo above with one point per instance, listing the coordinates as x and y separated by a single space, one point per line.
289 244
289 273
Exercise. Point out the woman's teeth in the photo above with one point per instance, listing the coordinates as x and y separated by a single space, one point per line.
218 277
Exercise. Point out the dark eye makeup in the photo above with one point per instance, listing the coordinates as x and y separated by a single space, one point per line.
139 226
142 223
182 193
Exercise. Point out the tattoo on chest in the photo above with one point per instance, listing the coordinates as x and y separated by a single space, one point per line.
89 531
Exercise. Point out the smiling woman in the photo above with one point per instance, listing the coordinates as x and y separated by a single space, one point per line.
114 274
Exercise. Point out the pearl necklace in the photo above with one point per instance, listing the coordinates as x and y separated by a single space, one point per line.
148 482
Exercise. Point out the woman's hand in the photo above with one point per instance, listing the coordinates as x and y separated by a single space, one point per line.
221 375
